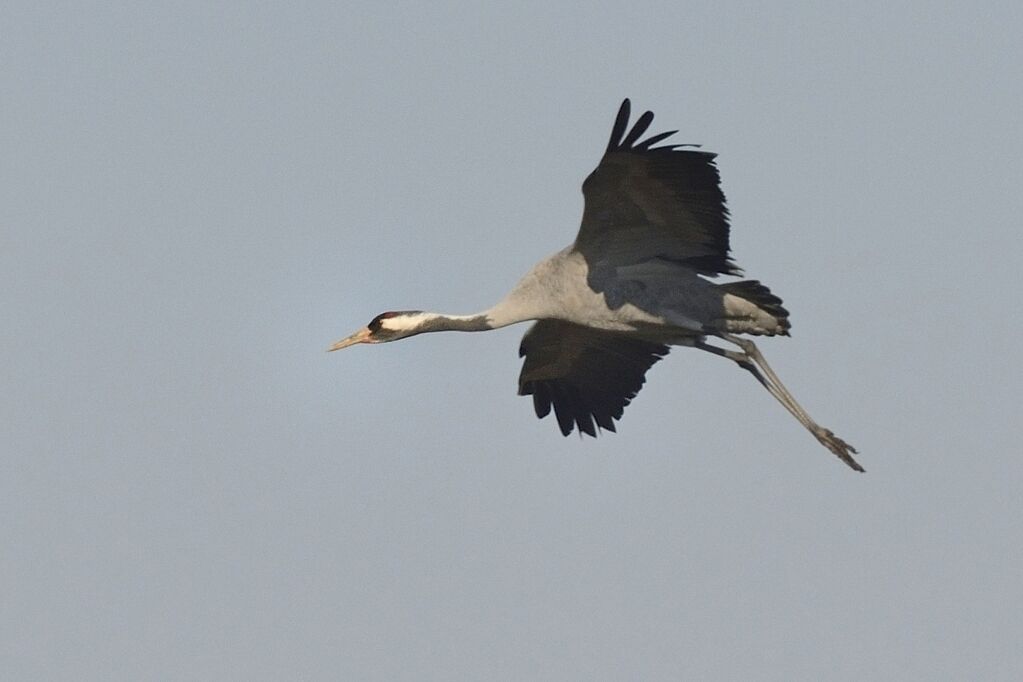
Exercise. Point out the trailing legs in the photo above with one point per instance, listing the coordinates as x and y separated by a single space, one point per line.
752 360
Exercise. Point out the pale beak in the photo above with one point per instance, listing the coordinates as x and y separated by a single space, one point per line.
361 336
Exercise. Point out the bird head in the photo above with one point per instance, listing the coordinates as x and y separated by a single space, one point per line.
389 326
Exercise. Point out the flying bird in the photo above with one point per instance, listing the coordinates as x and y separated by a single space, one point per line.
637 280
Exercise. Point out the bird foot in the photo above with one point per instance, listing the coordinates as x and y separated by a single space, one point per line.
843 450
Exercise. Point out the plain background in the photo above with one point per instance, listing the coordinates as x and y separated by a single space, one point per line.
197 199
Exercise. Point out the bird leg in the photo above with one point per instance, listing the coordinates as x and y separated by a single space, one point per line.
751 359
744 361
751 352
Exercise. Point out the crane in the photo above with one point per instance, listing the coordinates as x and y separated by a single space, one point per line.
637 280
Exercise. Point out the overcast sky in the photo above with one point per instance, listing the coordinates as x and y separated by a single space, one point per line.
197 199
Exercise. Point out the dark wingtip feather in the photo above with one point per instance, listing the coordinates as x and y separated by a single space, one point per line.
621 121
637 130
620 141
541 403
565 421
585 424
605 421
651 141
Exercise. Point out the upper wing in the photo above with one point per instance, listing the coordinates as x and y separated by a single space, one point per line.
644 202
588 375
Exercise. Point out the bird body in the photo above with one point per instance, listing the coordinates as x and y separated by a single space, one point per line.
636 281
656 300
556 288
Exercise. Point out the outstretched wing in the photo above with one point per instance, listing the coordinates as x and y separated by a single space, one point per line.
645 201
587 375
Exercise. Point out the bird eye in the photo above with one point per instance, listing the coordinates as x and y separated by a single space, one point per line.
376 323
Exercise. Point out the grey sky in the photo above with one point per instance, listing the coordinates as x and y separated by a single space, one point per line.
196 200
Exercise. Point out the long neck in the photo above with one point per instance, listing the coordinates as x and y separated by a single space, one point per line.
438 322
501 315
527 301
480 322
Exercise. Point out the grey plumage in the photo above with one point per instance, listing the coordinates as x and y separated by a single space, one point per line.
637 279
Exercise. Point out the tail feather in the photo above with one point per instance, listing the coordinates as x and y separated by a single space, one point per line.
759 295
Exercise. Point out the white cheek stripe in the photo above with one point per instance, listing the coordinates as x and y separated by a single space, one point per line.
403 322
